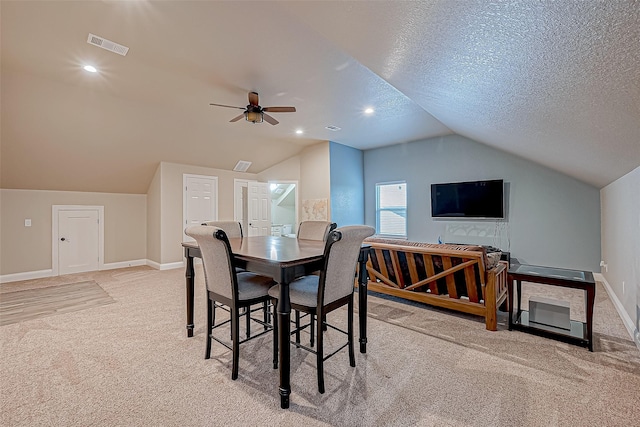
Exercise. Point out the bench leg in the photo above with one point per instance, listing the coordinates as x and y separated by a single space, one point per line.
490 315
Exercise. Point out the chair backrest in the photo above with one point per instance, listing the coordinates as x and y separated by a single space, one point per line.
315 230
341 256
233 229
217 259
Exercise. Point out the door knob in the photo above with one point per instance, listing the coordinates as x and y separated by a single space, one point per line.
63 239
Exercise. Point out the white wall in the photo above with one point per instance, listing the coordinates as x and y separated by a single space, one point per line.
552 219
315 174
620 228
154 215
28 249
310 168
172 228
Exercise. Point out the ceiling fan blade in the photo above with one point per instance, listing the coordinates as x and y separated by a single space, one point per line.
280 109
227 106
269 119
235 119
253 98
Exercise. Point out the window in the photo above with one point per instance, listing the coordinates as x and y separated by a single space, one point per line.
391 209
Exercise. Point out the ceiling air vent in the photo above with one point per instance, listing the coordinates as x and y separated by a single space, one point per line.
242 166
107 44
333 128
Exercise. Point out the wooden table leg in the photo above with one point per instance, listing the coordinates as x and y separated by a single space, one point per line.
590 301
519 312
284 332
362 298
190 276
510 297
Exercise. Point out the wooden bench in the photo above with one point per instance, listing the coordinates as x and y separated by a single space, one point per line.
448 276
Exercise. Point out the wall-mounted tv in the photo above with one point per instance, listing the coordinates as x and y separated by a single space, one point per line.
475 199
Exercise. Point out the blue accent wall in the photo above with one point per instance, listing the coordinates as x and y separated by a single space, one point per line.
551 218
347 184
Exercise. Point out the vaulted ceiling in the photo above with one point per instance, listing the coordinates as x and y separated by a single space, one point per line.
554 82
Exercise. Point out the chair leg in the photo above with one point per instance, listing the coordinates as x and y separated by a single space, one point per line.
248 312
312 329
320 354
235 332
297 327
265 313
211 314
275 336
352 358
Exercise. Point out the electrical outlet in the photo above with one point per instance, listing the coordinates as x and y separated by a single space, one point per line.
27 222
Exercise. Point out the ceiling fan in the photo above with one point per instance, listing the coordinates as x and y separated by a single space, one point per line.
254 113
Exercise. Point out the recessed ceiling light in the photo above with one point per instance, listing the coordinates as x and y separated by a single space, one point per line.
90 68
299 131
369 110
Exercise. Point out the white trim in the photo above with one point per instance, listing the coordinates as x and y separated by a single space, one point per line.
294 226
167 266
186 176
27 275
626 319
125 264
238 183
54 231
153 264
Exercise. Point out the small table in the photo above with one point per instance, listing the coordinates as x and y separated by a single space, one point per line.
284 259
580 333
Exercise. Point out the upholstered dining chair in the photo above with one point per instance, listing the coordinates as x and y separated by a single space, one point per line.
333 288
312 230
233 229
226 287
315 230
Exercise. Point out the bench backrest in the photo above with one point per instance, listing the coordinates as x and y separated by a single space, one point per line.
453 270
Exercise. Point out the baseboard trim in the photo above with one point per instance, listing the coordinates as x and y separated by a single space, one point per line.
167 266
27 275
124 264
626 319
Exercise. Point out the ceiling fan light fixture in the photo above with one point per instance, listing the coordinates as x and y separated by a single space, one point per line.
253 116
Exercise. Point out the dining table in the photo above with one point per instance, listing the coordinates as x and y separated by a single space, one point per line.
284 259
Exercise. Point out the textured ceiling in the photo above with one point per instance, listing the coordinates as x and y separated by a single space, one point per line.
555 82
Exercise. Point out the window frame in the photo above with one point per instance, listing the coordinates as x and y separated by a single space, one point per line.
379 210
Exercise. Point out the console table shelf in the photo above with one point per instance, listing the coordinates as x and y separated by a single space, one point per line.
576 335
579 333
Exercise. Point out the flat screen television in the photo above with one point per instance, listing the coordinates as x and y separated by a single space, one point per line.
475 199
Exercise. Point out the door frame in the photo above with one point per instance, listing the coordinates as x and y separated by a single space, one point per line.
294 227
238 208
55 211
185 177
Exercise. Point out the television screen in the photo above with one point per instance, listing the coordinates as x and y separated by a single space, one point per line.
476 199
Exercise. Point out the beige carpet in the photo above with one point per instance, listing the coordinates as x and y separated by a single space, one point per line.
130 363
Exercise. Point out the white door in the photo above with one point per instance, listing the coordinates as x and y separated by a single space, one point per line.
200 200
78 241
259 206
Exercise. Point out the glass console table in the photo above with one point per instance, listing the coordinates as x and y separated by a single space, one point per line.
579 333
